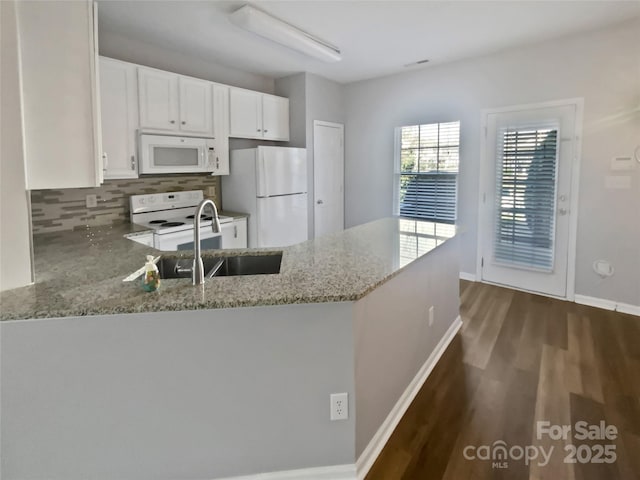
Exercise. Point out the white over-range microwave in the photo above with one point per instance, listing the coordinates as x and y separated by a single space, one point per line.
173 154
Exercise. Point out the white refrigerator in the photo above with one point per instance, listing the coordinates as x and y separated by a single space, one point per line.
270 184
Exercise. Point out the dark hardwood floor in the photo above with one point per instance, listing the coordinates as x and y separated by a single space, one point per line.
520 359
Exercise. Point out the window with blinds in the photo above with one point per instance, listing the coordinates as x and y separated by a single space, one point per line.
428 171
525 197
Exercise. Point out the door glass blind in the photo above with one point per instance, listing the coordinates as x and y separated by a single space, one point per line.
429 157
525 197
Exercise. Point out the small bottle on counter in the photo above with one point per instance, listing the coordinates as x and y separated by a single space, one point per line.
151 278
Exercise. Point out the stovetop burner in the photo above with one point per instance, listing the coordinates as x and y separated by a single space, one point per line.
155 222
171 224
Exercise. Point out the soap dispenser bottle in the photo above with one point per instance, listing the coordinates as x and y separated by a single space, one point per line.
151 278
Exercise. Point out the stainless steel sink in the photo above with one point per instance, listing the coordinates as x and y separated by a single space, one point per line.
227 266
248 265
182 267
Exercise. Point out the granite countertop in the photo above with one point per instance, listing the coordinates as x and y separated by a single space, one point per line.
81 272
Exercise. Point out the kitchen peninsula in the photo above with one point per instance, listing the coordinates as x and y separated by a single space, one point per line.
101 379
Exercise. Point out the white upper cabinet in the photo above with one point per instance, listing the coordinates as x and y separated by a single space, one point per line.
158 99
195 105
61 116
275 117
172 102
119 113
245 117
258 115
221 128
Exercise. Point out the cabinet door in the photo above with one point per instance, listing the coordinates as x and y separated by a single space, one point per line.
245 113
234 234
195 105
158 99
275 117
221 128
119 111
60 104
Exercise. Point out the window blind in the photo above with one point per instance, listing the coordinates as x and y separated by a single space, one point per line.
525 197
429 158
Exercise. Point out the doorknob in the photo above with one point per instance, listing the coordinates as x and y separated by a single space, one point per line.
319 202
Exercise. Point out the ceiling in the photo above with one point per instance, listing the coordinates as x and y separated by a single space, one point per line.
376 38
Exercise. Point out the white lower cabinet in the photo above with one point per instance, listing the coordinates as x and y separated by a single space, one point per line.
234 234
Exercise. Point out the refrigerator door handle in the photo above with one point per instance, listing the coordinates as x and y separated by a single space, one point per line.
281 195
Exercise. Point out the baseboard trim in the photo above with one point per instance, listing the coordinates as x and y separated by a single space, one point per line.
381 437
335 472
471 277
628 308
607 304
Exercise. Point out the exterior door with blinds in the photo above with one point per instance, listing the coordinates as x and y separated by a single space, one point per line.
526 199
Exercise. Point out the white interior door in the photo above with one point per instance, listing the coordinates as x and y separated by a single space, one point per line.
328 177
527 198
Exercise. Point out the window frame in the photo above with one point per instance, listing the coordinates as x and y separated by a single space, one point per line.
397 167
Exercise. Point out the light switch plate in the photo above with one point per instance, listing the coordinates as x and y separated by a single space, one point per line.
622 164
617 182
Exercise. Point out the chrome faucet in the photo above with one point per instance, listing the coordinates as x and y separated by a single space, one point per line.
198 267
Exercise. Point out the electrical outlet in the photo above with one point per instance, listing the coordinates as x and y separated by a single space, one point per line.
339 406
91 201
431 312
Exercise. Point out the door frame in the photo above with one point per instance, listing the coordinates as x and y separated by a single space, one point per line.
339 126
578 103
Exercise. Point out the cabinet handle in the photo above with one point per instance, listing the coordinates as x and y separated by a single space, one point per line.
172 121
235 231
259 130
133 162
265 130
184 123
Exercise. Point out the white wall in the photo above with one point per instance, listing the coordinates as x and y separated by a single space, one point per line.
393 338
198 394
311 97
294 87
324 102
15 213
134 51
602 66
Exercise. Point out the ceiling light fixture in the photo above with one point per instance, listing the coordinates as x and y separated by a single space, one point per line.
269 27
419 62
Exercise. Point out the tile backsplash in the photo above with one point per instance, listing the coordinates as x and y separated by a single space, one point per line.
55 210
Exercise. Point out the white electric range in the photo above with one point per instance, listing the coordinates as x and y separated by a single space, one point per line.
170 217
